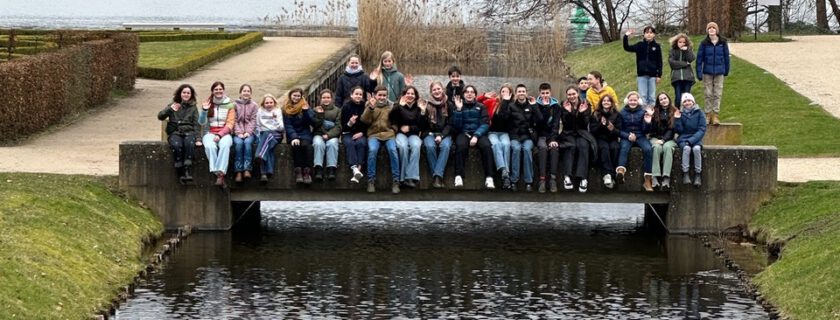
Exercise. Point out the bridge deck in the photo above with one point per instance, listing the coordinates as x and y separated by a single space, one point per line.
446 195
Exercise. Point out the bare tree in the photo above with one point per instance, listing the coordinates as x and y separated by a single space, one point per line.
835 10
663 13
822 15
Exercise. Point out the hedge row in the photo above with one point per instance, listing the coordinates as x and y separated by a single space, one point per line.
200 58
170 36
40 90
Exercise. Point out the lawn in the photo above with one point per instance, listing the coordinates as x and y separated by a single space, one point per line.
67 245
167 54
805 282
772 113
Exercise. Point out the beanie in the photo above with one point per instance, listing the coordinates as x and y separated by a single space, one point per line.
712 25
687 96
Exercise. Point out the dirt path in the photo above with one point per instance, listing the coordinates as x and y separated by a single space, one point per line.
808 64
91 145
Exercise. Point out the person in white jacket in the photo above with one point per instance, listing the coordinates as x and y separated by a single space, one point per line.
269 133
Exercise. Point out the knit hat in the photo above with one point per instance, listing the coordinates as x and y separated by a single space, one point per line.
712 25
687 96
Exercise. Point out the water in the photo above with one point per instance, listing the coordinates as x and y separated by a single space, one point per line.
110 14
456 260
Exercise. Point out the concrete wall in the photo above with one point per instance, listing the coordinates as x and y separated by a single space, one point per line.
736 181
724 134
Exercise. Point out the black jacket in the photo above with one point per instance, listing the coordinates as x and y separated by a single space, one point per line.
549 113
348 111
407 115
601 131
648 57
661 127
440 127
183 122
346 83
500 119
524 118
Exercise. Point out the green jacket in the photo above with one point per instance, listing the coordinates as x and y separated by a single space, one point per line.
328 122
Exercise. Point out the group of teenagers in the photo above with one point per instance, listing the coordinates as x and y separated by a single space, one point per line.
589 128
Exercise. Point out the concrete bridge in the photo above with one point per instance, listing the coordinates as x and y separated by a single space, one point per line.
737 180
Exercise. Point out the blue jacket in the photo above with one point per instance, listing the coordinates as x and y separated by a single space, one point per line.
691 127
712 58
298 126
633 121
648 57
471 120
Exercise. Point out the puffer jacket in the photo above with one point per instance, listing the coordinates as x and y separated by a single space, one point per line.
349 110
524 118
299 126
408 115
633 121
500 118
349 80
328 122
680 62
712 58
472 119
691 127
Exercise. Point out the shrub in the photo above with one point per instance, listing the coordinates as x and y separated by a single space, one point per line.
200 58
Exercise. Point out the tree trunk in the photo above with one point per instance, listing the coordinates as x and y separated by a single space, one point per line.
822 15
774 18
599 20
612 20
835 9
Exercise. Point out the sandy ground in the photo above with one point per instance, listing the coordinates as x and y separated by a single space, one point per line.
91 145
811 66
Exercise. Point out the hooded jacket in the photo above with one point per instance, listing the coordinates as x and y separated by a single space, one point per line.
680 62
661 127
182 122
440 127
298 126
691 126
377 117
548 112
394 81
633 121
500 118
601 131
328 122
246 117
471 120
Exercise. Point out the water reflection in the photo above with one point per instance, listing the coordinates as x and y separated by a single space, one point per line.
420 260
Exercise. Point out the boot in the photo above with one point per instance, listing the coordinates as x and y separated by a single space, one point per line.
319 173
552 184
619 174
715 119
708 117
246 175
263 178
298 175
648 185
331 173
307 177
655 183
437 183
238 177
697 182
220 180
686 178
371 187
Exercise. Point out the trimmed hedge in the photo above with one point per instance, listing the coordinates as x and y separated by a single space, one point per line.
41 90
200 58
170 36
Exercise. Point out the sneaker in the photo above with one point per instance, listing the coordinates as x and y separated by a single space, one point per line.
567 183
552 184
246 174
541 186
409 183
238 177
666 183
395 187
488 183
697 182
655 182
263 178
319 173
505 179
619 174
357 175
371 186
331 173
437 183
459 182
686 178
514 187
307 177
298 175
608 181
583 185
529 187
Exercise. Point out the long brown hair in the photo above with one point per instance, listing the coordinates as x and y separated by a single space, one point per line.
212 112
671 109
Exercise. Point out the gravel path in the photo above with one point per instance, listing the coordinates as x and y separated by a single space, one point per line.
91 145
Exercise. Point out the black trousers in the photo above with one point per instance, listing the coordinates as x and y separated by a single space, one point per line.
547 158
183 149
608 155
462 148
576 160
303 154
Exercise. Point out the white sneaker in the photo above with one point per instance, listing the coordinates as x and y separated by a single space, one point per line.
567 183
357 175
583 185
459 182
608 181
488 183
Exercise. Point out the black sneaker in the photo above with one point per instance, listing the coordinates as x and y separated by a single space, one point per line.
513 187
506 184
529 187
331 173
319 173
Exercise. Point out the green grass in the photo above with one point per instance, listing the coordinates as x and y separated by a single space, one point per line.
68 243
772 113
763 37
805 282
168 54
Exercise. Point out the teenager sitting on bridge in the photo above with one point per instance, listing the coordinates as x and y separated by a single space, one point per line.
662 141
547 158
298 119
499 121
218 113
635 124
270 133
469 121
327 129
524 117
690 124
573 135
408 119
437 141
376 116
181 127
354 131
605 127
243 130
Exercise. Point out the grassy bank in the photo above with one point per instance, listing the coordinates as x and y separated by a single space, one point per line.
805 282
772 113
68 244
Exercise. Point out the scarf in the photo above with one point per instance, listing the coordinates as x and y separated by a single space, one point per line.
351 71
293 109
436 104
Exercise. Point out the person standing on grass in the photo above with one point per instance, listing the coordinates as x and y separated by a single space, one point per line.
455 87
662 141
437 141
354 75
218 113
243 133
690 124
635 124
680 59
469 121
269 133
408 118
712 67
648 63
387 75
597 89
547 157
297 120
377 117
181 127
605 126
354 131
326 131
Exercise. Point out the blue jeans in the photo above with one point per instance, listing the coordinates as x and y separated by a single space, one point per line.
681 87
266 142
500 143
218 153
242 153
330 146
647 89
409 149
527 159
647 151
354 149
373 149
437 160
